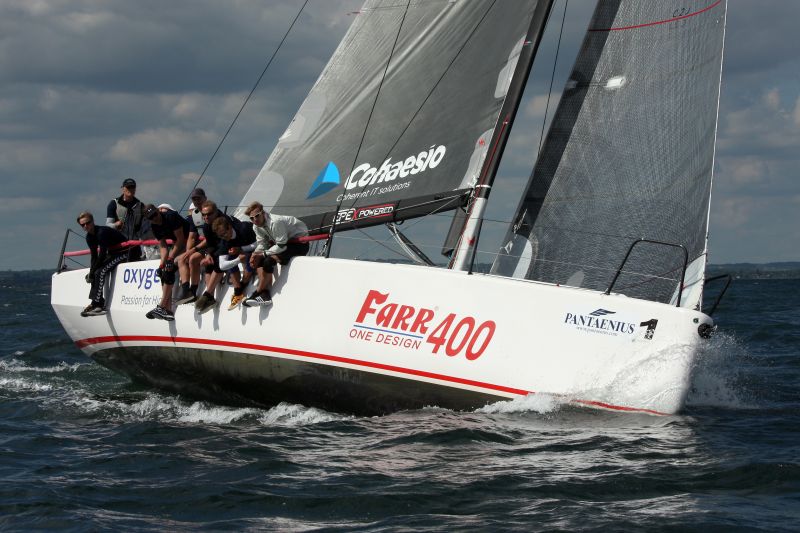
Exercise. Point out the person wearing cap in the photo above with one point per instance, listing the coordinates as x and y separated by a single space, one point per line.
104 245
189 263
167 225
198 196
273 233
125 213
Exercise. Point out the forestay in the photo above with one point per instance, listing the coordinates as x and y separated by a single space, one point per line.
377 144
629 155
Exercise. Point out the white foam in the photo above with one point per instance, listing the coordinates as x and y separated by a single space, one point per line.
285 414
209 414
717 376
538 403
21 384
15 365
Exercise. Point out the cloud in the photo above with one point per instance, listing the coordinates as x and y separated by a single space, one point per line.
22 204
92 91
796 113
162 145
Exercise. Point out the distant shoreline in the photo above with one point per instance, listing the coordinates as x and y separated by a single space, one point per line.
777 270
782 270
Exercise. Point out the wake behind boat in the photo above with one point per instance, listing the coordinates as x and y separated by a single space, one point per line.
409 119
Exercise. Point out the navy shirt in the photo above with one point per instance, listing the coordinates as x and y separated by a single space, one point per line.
244 236
170 221
212 241
103 238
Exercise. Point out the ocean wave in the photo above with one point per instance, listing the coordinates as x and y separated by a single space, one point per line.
22 384
719 375
538 403
285 414
15 365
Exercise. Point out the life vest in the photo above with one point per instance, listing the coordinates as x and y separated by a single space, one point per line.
131 225
197 220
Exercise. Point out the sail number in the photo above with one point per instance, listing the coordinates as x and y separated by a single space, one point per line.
465 336
383 321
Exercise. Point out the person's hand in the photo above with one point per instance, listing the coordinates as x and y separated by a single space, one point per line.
89 277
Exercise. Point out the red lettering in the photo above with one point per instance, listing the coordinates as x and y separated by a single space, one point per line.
439 335
373 297
406 312
420 323
385 315
488 326
466 322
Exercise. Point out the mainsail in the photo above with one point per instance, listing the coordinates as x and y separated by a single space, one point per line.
629 155
399 122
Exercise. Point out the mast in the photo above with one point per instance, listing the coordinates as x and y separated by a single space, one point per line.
467 244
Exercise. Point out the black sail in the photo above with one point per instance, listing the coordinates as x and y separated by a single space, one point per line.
629 155
377 144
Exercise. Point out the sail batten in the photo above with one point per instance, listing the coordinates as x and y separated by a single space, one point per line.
629 154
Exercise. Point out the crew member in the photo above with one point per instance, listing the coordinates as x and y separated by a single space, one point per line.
189 263
210 262
167 225
237 241
106 252
273 233
125 213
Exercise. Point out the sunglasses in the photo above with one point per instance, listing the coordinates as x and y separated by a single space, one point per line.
87 223
256 215
206 214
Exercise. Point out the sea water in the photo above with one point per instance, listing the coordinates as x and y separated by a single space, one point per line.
82 448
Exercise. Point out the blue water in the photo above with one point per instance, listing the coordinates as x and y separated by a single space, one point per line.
81 448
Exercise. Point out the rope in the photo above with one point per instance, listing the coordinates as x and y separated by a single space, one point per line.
366 126
183 206
552 78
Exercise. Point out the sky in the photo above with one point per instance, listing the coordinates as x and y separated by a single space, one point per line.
95 91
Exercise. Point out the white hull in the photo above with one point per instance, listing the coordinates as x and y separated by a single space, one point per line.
361 337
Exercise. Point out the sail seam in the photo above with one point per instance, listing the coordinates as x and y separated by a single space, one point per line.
433 89
659 22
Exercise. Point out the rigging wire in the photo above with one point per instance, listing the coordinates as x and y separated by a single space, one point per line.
552 78
329 243
247 99
424 101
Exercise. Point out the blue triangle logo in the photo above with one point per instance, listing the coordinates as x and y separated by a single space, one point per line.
327 180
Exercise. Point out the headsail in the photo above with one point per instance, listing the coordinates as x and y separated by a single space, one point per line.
426 120
629 155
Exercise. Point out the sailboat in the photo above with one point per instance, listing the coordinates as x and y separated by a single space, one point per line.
595 294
